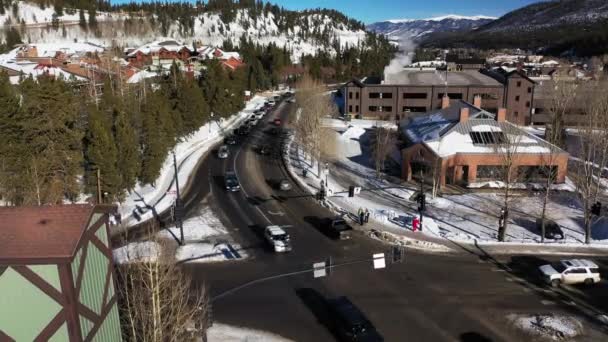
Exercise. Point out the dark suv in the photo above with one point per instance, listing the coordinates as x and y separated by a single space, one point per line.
338 228
349 323
552 229
231 181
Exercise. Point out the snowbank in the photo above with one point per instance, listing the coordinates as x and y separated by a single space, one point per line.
208 252
227 333
147 251
555 327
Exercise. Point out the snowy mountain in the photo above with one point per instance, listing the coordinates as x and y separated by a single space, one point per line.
418 29
301 33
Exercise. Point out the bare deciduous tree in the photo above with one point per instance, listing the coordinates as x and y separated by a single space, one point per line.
593 144
383 144
158 302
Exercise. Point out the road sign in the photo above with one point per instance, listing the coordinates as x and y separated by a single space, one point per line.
357 190
379 261
319 269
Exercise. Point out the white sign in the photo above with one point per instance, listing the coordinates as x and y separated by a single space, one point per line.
319 269
357 190
379 261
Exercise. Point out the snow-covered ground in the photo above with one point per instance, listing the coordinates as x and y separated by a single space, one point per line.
468 218
548 326
206 240
146 199
227 333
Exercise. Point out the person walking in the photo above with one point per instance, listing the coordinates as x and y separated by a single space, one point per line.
361 216
366 215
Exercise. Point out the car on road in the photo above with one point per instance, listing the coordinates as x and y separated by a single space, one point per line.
338 228
349 323
272 103
552 229
231 181
572 271
292 100
284 185
278 239
264 150
230 140
277 122
223 152
243 130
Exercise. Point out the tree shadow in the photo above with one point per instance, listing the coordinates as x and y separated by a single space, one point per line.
317 304
472 336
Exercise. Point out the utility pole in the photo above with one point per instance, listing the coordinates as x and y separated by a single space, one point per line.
98 186
178 204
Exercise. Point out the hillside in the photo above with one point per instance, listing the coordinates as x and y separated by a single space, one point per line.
418 29
301 33
577 27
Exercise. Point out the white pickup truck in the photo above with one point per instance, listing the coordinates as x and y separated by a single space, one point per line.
278 239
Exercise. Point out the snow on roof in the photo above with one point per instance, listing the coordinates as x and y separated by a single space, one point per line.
157 45
51 49
141 75
551 62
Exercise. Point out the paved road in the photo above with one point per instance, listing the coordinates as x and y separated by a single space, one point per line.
461 297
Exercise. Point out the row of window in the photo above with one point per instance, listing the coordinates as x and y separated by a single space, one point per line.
380 108
453 96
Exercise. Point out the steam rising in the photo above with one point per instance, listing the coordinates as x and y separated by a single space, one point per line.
402 58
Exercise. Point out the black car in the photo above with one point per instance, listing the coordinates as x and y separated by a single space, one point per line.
552 229
243 130
230 140
231 181
338 228
349 323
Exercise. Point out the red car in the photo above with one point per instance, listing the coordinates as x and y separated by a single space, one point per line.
277 122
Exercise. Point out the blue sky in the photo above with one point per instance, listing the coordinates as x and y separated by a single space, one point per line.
370 11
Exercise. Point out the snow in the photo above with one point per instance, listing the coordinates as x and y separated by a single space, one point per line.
163 43
146 251
441 18
551 326
145 199
226 333
141 75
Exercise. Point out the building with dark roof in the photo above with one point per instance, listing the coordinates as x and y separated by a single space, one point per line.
56 274
463 144
419 91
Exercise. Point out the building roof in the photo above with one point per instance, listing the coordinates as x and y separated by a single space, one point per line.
454 58
156 46
443 133
440 78
43 234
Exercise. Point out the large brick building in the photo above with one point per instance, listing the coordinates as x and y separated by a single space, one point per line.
463 144
420 91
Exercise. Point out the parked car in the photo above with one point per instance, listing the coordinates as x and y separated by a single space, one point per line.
264 150
573 271
271 103
231 181
292 100
552 229
278 239
284 185
338 228
223 152
243 130
349 323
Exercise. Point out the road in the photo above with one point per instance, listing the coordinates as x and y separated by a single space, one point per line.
464 296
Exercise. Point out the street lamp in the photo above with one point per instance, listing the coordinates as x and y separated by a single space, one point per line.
178 204
210 121
326 173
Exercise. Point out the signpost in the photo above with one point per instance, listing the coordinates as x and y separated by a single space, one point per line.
319 269
379 261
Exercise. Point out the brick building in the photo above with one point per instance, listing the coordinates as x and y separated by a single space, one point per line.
421 91
464 144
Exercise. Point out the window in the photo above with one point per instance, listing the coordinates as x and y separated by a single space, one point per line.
350 95
529 90
577 271
374 95
357 96
357 109
387 108
414 95
517 98
487 96
373 108
527 104
516 113
350 109
487 138
452 96
407 109
489 172
386 95
518 84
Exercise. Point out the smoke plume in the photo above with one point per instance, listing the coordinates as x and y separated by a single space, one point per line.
402 58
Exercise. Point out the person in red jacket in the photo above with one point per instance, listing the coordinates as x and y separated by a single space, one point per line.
415 224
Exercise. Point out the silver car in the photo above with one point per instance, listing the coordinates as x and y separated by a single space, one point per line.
284 185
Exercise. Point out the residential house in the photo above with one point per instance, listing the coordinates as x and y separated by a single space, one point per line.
463 144
159 53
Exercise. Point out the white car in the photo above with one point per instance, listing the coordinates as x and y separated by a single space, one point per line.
278 239
223 152
284 185
573 271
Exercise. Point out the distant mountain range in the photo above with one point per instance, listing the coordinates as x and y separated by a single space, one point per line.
418 29
570 27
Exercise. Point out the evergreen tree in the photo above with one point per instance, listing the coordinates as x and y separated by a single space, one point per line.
127 144
101 153
13 144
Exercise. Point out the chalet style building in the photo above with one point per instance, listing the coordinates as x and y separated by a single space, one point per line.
463 145
159 52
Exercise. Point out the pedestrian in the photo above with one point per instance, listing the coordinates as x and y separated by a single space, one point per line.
366 215
360 214
415 224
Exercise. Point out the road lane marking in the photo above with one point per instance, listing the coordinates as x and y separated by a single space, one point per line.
547 302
